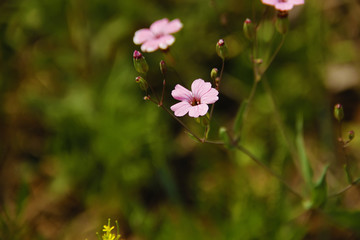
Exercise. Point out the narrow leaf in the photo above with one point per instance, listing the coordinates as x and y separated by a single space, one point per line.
192 137
348 174
305 166
319 194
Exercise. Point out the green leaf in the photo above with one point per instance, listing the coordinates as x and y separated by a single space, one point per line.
305 166
192 137
348 174
223 134
239 118
319 194
347 219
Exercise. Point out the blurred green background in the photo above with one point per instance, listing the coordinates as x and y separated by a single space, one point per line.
79 144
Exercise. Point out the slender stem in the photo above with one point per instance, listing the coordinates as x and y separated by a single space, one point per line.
153 92
278 120
213 105
169 57
257 73
148 97
345 189
221 72
268 169
340 132
274 54
163 92
182 123
343 148
214 142
257 78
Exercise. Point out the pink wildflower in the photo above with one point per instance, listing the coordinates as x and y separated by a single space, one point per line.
158 35
195 101
283 5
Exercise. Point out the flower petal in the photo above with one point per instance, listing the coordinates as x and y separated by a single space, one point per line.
182 94
150 46
166 41
181 108
158 26
198 110
284 6
142 36
210 97
298 2
172 27
270 2
199 87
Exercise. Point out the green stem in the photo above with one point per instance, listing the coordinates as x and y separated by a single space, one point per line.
182 124
268 170
278 120
162 94
213 105
345 189
274 54
343 148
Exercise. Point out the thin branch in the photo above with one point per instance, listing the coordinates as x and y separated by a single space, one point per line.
213 105
268 170
182 123
345 189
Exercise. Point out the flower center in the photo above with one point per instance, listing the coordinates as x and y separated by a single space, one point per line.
195 102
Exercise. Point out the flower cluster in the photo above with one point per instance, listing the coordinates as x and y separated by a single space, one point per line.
193 102
108 235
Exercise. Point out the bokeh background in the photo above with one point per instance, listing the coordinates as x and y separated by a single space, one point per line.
79 144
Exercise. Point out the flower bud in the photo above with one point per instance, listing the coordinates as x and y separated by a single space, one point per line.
163 67
282 22
221 49
338 112
249 29
140 63
142 83
214 73
351 135
223 134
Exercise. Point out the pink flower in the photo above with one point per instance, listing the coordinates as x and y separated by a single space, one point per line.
195 101
283 5
158 35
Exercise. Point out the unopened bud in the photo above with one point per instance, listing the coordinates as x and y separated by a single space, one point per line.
142 83
146 98
338 112
221 49
351 135
249 29
282 22
214 73
163 67
140 63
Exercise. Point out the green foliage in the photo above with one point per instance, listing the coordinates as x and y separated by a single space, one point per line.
79 143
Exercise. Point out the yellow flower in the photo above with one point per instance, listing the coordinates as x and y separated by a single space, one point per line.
108 229
108 235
